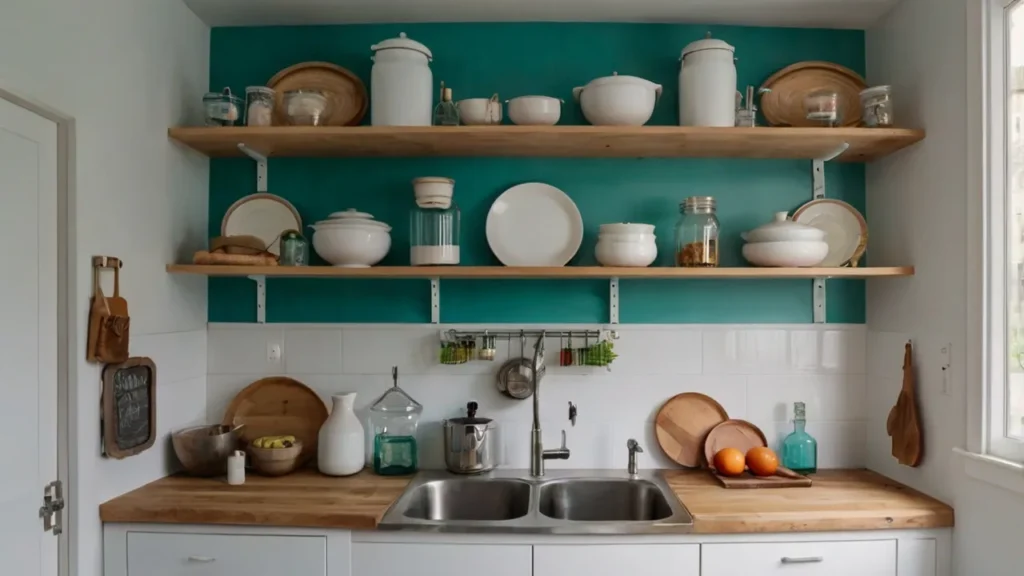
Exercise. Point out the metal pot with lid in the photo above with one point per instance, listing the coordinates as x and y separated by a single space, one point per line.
470 443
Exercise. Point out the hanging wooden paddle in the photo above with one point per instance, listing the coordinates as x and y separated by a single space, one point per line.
903 424
108 317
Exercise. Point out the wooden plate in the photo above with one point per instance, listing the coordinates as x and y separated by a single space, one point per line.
278 406
683 424
345 91
738 434
784 104
846 231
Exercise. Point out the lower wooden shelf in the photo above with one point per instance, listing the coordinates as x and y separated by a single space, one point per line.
567 272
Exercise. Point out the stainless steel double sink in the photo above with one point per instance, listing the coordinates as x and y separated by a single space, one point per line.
561 502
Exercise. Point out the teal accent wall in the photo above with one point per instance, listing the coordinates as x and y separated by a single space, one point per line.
477 60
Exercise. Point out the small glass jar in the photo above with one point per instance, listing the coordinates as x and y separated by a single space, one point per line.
294 249
259 106
824 106
876 106
222 108
697 233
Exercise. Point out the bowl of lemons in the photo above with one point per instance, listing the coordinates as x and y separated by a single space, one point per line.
275 455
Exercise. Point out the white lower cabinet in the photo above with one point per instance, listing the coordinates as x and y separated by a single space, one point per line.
855 558
164 554
399 559
617 559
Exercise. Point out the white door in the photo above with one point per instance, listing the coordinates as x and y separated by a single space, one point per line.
28 338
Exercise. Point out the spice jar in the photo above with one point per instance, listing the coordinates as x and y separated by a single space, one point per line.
876 105
259 106
697 233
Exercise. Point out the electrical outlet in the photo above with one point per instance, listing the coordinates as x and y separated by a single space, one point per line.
274 353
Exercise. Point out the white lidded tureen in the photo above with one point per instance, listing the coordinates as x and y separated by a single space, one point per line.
784 243
351 239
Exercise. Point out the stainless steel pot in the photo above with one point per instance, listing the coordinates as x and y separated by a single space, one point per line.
471 443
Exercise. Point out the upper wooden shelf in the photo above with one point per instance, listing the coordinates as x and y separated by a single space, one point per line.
865 144
566 272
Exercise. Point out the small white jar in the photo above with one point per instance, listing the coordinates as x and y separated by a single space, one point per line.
626 244
707 84
401 83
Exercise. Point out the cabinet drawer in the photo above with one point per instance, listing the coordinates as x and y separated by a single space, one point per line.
400 559
854 558
630 559
164 554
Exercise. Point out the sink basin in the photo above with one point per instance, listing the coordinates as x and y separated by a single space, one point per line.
468 499
603 500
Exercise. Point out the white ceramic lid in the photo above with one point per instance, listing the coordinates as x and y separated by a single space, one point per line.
782 229
404 43
616 79
351 217
625 228
708 43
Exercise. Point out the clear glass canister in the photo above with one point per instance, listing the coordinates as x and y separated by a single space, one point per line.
222 108
434 223
876 106
259 106
697 233
393 420
294 249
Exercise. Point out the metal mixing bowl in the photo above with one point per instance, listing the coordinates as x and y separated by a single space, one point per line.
204 450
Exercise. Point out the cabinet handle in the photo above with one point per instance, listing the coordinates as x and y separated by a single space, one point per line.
203 559
802 560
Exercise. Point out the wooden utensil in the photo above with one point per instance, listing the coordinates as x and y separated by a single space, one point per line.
782 100
683 424
784 478
278 406
345 92
903 423
738 434
109 322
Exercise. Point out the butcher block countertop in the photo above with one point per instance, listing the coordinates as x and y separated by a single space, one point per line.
840 500
304 498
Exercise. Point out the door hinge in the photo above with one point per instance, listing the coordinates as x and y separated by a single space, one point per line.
52 510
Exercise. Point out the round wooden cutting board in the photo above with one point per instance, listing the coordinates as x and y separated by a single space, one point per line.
345 91
683 424
783 104
278 406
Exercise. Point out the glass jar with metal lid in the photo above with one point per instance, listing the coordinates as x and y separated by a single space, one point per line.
697 233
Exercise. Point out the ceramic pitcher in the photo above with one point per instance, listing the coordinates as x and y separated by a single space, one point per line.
341 449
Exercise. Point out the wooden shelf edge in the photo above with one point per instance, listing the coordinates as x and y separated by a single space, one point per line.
568 272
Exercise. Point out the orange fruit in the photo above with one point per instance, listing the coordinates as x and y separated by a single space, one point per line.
729 462
762 461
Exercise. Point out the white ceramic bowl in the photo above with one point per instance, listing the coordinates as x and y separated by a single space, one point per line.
618 100
535 110
611 252
433 191
351 244
479 111
785 254
782 229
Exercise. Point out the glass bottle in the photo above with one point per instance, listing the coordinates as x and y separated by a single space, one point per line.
446 113
393 420
697 233
800 449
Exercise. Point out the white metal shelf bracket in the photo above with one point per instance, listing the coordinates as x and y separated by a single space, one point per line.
261 298
818 292
261 166
435 300
613 301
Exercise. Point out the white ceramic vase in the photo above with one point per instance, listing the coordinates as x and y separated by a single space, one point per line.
341 448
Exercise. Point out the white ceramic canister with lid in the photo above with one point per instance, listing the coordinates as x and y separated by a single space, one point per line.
401 83
707 84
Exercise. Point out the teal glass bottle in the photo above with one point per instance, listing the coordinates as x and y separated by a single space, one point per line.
800 449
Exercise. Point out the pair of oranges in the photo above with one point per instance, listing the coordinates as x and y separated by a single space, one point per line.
732 462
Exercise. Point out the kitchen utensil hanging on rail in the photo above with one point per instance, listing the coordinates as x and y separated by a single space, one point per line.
108 317
903 424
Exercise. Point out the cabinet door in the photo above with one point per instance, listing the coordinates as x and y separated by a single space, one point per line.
164 554
917 557
853 558
399 559
617 559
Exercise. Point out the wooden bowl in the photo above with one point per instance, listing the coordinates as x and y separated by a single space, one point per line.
275 461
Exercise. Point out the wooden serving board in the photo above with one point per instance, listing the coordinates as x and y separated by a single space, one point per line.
278 406
784 478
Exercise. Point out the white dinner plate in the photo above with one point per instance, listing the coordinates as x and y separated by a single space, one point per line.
264 216
846 232
534 225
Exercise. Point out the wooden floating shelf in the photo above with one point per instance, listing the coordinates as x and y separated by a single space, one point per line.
568 272
864 144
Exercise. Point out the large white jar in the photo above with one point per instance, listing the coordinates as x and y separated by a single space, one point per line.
341 445
401 84
707 84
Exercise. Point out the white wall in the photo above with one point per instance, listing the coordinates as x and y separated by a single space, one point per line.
916 202
125 70
755 372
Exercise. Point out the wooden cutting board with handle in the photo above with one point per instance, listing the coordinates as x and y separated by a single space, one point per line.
903 423
783 478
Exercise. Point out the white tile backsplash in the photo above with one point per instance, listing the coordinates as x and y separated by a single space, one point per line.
755 372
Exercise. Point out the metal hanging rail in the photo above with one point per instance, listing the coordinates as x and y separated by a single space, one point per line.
453 335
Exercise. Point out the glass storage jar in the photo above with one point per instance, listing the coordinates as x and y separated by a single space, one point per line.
393 420
697 233
434 223
876 106
259 106
294 249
